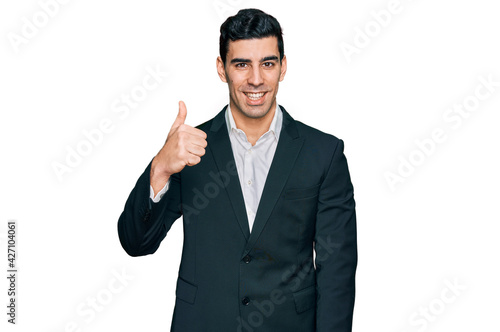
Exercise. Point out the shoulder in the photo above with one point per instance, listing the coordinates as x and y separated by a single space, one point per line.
325 145
315 134
313 137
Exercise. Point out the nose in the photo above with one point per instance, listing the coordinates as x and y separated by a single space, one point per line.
255 76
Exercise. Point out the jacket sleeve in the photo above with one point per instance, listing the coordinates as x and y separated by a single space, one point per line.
143 224
336 247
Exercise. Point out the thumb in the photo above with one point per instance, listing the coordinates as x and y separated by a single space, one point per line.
181 116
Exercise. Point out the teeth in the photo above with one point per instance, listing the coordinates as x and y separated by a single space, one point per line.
255 96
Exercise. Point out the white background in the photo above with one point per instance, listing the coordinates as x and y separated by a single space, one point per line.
439 225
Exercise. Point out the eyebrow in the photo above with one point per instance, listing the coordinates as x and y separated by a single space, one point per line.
267 58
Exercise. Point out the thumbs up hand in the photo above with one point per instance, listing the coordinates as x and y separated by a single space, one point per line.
184 146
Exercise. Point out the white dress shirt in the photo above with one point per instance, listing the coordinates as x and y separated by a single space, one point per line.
252 162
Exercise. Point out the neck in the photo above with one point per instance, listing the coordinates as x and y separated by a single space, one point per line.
253 128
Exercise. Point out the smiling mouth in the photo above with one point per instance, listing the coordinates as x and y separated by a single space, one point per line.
255 96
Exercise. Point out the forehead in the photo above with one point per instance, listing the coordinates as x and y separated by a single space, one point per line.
256 48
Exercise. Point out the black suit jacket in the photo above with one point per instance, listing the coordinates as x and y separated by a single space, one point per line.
267 280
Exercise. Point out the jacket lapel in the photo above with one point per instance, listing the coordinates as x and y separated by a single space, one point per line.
220 145
287 150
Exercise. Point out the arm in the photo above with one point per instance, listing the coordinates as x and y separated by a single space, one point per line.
336 247
143 224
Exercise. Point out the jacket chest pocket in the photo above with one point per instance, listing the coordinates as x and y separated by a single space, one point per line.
301 193
300 204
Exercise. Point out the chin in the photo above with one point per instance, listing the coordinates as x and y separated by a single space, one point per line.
256 112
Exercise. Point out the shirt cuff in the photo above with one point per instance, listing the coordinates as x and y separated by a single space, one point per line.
160 194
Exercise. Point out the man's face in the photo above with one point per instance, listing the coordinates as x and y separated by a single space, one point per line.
252 72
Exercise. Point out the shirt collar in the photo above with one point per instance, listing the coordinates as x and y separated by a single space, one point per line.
275 126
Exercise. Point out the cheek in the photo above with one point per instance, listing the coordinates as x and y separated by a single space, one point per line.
273 78
237 78
235 84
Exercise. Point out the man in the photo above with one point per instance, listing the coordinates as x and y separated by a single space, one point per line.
260 192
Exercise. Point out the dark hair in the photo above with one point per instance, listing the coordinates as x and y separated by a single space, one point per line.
249 24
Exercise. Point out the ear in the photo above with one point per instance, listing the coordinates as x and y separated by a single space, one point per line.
221 70
283 68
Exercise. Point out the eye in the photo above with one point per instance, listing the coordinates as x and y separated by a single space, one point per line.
268 64
241 65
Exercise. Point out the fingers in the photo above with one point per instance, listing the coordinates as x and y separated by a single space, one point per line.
180 125
198 141
187 143
193 131
181 115
195 150
195 147
193 160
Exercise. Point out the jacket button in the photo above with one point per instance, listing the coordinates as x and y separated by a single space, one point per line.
247 259
245 301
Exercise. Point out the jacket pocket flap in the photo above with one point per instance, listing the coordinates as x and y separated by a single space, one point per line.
305 299
185 290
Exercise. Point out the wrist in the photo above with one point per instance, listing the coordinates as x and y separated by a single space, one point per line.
157 172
